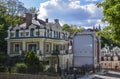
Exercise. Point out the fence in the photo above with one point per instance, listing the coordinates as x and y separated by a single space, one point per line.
26 76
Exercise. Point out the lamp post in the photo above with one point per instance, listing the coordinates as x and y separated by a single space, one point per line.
75 73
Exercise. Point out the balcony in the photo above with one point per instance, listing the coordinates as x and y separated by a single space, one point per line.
36 34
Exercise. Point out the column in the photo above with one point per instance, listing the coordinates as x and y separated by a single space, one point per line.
8 47
23 46
41 46
52 46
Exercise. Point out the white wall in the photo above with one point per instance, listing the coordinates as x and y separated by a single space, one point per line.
83 49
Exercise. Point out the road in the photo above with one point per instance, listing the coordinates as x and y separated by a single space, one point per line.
109 75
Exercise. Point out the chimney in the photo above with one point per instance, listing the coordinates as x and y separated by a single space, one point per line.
35 16
28 19
46 20
56 20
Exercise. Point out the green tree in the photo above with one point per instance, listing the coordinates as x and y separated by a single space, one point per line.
111 12
6 20
32 10
71 28
33 63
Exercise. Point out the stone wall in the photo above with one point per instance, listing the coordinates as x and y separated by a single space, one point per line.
26 76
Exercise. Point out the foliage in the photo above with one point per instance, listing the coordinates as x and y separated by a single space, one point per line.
3 68
15 7
32 10
20 67
51 69
33 63
71 28
7 18
111 11
3 59
3 62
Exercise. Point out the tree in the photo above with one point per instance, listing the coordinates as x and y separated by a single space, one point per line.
71 28
15 7
32 10
6 20
111 12
33 63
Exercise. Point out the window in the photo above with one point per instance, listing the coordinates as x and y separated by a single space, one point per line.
12 34
63 36
50 34
27 33
37 33
54 34
109 64
105 64
32 32
47 48
17 47
59 34
32 47
47 33
22 34
17 33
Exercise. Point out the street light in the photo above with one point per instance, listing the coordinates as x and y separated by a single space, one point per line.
74 73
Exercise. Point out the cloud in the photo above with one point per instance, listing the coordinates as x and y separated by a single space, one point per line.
71 12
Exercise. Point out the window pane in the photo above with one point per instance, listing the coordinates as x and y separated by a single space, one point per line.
32 47
32 32
17 47
17 33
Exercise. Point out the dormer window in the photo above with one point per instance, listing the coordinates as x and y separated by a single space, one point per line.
17 33
11 34
32 32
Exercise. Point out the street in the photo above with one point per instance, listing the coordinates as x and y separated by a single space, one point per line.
109 75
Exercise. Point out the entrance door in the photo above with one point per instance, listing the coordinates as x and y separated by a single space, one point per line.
32 47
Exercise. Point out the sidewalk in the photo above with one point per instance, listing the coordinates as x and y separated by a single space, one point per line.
87 77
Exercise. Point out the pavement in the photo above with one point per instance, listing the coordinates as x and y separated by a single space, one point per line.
100 75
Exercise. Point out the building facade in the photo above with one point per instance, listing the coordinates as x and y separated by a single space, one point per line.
110 58
46 39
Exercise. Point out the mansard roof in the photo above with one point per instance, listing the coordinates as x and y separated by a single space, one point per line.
38 23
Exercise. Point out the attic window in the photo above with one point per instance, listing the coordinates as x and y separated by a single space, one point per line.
17 33
12 34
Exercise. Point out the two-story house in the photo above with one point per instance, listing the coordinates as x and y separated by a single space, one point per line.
46 39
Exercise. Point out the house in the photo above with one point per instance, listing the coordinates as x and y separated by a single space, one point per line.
110 58
46 39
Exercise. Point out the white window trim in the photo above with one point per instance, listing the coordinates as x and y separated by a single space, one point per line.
14 46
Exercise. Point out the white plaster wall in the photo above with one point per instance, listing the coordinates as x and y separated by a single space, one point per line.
83 48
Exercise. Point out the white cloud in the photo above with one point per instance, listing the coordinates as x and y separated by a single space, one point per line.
74 4
71 12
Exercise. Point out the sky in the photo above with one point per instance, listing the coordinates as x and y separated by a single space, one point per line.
76 12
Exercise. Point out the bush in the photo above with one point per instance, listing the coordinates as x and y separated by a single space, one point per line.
51 69
33 63
3 69
21 68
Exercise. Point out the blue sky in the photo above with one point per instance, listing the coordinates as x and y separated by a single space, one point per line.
77 12
32 3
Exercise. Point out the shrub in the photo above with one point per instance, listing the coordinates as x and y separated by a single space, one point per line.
3 69
51 69
33 63
21 67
